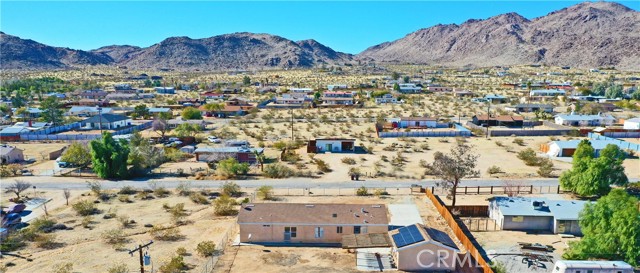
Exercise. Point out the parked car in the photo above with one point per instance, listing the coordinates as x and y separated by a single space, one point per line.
26 172
172 139
213 139
173 143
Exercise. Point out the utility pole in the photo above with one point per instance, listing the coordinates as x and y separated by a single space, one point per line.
139 249
488 117
292 139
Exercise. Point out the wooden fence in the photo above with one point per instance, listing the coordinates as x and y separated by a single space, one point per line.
470 210
521 189
460 234
479 224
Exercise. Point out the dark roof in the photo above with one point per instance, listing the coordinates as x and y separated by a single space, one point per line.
105 118
417 233
318 214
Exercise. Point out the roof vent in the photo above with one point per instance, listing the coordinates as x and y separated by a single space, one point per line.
376 206
250 205
309 206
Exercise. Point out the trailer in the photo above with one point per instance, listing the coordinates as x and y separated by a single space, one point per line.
564 266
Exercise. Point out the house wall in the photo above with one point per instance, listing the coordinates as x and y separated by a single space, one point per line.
322 145
110 125
274 233
425 256
528 223
14 156
567 227
631 125
421 123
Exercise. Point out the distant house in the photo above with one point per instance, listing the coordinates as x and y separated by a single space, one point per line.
292 99
493 98
106 122
215 154
301 90
420 248
536 214
566 148
386 98
332 87
122 96
212 96
88 111
157 110
409 88
237 143
337 98
413 122
334 145
547 93
434 88
231 90
462 93
165 90
529 108
33 112
606 107
90 94
632 124
92 102
236 107
9 154
584 120
565 86
501 120
293 223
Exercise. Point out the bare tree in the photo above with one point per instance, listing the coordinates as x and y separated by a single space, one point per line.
67 194
18 187
512 187
453 167
160 126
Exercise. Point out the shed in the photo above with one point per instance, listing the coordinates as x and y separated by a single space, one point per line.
420 248
541 214
9 154
334 145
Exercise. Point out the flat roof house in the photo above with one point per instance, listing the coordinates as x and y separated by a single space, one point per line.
165 90
530 107
536 213
297 223
632 124
215 154
584 120
337 98
106 122
566 148
547 93
493 98
502 120
333 145
420 248
386 98
413 122
88 111
409 88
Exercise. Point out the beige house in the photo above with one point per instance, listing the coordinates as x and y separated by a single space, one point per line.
290 223
420 248
10 154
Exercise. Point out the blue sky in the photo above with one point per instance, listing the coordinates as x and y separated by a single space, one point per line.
344 26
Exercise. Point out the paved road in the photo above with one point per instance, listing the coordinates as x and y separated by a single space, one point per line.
50 183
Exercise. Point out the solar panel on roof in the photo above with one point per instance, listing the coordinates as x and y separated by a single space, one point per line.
441 237
407 236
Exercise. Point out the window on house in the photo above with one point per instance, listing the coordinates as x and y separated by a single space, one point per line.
335 215
356 229
291 231
364 230
266 225
339 230
319 232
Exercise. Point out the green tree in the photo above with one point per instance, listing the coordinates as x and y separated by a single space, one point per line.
395 75
594 176
614 91
191 113
635 95
599 89
186 129
406 79
231 168
77 154
51 112
396 87
109 157
147 83
144 156
453 167
140 111
246 81
611 229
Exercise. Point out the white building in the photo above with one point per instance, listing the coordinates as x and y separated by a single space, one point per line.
413 122
88 111
632 124
584 120
386 98
106 122
332 87
409 88
547 93
302 90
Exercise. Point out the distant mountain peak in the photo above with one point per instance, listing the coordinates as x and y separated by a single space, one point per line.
589 34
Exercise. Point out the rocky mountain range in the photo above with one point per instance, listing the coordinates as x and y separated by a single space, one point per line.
589 34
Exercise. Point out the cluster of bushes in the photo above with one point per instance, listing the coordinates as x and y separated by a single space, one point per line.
531 159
